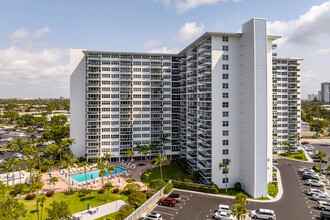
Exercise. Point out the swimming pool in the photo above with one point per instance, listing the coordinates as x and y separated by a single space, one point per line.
93 174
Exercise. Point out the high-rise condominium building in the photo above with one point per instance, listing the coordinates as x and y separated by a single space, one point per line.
325 92
214 101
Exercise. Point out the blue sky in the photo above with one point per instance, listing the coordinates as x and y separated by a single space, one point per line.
36 35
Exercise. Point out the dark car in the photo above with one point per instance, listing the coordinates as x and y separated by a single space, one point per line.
316 160
167 201
325 215
310 177
175 196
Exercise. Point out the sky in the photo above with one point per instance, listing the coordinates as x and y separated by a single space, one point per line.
36 35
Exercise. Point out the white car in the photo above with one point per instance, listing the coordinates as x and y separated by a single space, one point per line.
263 214
18 155
323 205
224 208
152 216
313 191
320 197
311 173
21 134
223 216
315 183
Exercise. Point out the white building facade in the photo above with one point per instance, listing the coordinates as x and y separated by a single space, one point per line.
214 101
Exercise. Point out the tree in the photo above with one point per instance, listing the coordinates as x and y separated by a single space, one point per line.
102 172
159 160
10 207
163 139
53 181
319 126
36 187
16 145
137 198
147 175
7 166
107 156
225 165
241 199
58 120
320 155
69 160
130 153
30 150
157 184
132 187
287 146
11 116
41 200
109 171
59 211
140 149
239 211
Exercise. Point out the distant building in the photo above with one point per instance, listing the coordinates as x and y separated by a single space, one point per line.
325 92
319 96
305 126
312 97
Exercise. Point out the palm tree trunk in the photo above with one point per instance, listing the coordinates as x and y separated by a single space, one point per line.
226 179
161 173
7 178
37 205
39 164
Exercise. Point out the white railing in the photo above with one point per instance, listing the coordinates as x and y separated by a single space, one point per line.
134 215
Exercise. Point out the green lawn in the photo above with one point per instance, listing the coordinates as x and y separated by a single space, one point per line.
272 190
77 202
111 216
293 156
168 171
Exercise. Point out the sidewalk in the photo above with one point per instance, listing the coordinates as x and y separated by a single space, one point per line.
102 210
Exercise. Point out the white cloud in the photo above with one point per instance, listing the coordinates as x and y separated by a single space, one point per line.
322 51
188 31
305 30
33 71
151 43
164 50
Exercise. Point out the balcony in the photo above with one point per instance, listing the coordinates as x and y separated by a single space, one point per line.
205 62
93 91
205 154
205 146
205 80
205 71
206 52
206 43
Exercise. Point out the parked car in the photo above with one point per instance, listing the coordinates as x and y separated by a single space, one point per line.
312 182
167 201
263 214
310 177
323 205
325 215
313 191
175 196
305 169
223 216
152 216
321 197
305 142
311 173
325 172
18 155
224 208
317 160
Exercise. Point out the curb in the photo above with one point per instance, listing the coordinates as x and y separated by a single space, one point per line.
294 159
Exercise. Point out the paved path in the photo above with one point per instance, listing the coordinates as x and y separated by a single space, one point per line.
102 210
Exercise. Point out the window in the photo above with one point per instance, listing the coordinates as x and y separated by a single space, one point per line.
225 39
225 114
225 104
225 151
225 180
225 57
225 95
225 142
225 66
225 85
225 48
224 170
225 76
225 123
225 133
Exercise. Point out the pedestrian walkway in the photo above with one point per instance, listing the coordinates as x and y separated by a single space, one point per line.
97 212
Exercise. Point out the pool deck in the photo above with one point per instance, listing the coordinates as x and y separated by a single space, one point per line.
62 185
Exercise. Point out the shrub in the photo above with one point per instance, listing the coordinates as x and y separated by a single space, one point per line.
284 154
86 191
115 190
316 168
108 185
238 186
299 156
198 188
101 191
124 212
132 187
50 193
130 180
18 189
30 196
137 198
70 192
168 188
150 193
157 184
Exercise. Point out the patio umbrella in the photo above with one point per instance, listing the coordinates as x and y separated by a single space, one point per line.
111 176
72 165
50 175
94 181
59 169
72 183
66 175
87 206
127 162
63 167
62 171
133 160
118 180
92 176
127 170
50 169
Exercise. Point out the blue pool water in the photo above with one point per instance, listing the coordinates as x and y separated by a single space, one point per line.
80 177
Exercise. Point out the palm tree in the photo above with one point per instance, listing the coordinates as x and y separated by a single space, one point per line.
130 154
15 146
36 187
41 199
101 167
53 181
320 155
85 170
109 171
18 164
241 199
159 160
69 158
107 157
30 151
162 140
7 166
225 166
147 175
239 211
140 149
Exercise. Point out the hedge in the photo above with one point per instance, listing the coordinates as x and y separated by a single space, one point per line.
206 189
